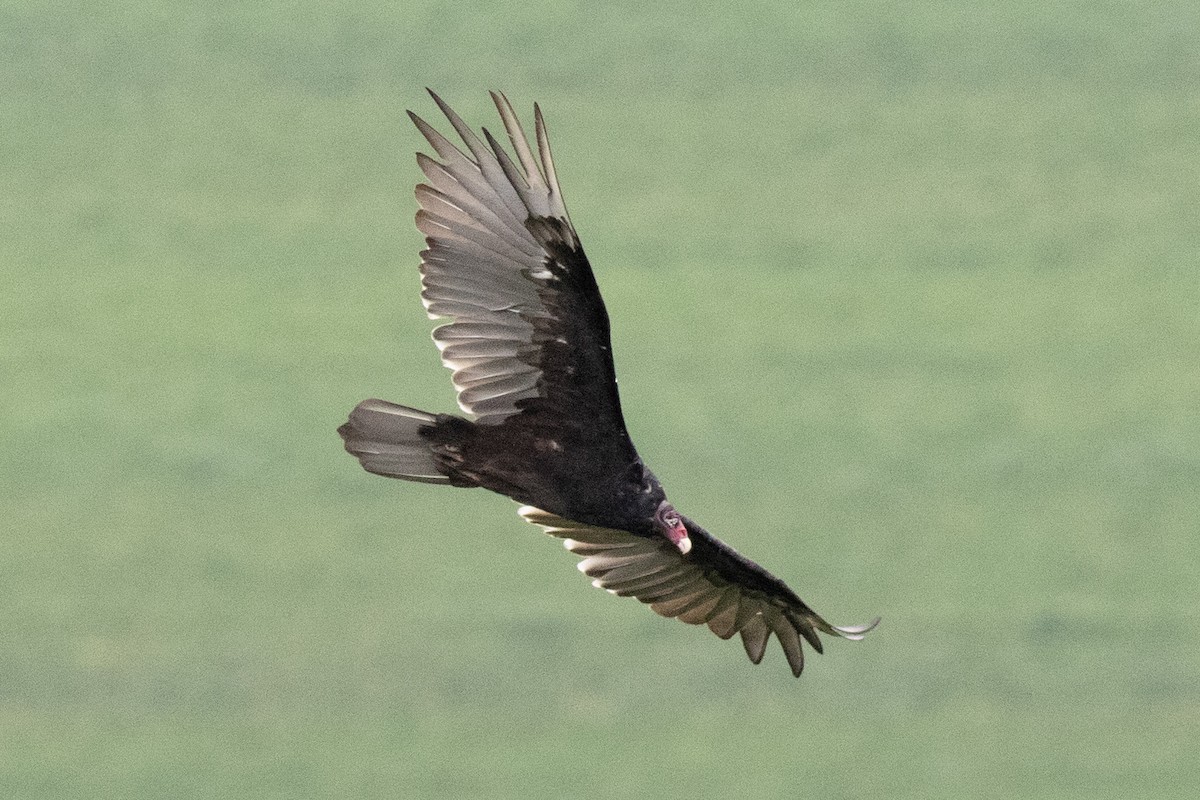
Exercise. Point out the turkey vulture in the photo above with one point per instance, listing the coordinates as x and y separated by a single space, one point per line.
528 343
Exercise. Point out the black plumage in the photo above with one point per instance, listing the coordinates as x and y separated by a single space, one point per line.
529 347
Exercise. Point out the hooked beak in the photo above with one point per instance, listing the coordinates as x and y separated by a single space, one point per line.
678 536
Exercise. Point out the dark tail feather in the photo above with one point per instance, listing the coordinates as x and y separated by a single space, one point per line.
386 438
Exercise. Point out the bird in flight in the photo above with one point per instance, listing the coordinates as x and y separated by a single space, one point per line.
528 344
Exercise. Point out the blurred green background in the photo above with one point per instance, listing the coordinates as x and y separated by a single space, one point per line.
906 306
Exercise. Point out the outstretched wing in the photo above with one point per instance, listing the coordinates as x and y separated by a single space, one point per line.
529 331
713 584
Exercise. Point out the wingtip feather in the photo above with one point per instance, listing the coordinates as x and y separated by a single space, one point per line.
856 633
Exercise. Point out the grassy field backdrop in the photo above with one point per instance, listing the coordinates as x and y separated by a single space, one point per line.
906 305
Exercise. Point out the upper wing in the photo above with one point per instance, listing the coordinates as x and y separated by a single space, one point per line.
529 330
712 584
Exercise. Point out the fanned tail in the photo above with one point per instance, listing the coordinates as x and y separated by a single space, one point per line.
386 439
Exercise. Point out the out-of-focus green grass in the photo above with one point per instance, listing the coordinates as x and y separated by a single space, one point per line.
905 306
